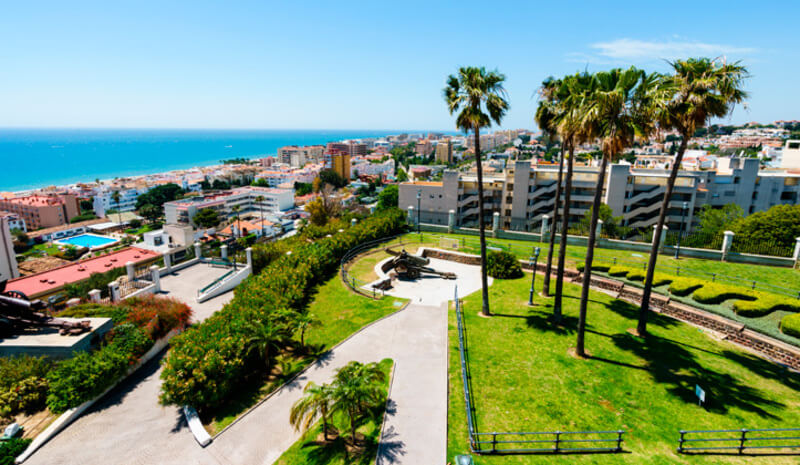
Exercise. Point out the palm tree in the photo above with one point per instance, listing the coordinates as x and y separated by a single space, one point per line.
235 209
259 200
302 323
616 114
262 338
570 99
700 89
357 387
116 197
316 403
479 97
545 117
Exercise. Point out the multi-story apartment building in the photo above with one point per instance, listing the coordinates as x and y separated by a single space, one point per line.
299 156
42 211
338 161
444 152
354 149
274 201
424 148
104 199
14 221
523 193
8 259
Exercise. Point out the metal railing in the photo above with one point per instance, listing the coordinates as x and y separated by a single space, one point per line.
738 440
356 284
216 282
526 442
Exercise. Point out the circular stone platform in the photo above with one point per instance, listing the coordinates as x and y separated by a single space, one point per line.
431 289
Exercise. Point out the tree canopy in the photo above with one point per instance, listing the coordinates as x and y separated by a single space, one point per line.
159 195
388 197
779 225
716 220
206 218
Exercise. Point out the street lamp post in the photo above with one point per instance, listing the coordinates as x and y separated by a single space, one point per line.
533 261
680 233
419 203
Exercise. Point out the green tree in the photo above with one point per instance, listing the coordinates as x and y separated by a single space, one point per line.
302 188
86 205
262 338
617 112
206 218
357 387
150 212
260 182
316 403
333 178
159 195
479 99
401 176
716 220
236 209
698 90
610 222
779 225
388 198
116 197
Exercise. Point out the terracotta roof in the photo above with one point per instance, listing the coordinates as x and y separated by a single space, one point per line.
40 283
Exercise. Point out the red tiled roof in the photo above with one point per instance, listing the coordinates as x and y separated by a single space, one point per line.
40 283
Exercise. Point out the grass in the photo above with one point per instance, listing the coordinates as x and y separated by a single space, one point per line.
310 449
743 273
339 313
363 269
523 379
41 250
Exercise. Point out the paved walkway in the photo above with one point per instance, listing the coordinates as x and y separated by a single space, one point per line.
128 426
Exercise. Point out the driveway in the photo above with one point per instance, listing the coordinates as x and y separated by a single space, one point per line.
129 426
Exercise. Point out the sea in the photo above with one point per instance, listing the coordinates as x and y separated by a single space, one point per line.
34 158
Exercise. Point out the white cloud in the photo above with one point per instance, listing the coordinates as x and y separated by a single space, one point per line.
642 50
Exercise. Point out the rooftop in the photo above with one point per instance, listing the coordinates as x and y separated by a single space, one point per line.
41 283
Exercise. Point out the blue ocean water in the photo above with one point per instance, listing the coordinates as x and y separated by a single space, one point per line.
34 158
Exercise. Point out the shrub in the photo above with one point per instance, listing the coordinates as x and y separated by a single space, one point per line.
659 279
618 270
87 375
595 267
156 315
209 361
765 304
502 265
28 395
15 369
9 450
685 286
790 324
715 293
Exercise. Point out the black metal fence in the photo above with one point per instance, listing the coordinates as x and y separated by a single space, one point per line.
739 440
354 283
535 442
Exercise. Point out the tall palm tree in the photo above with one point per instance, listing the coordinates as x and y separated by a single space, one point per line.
479 97
116 197
571 98
700 89
262 338
357 387
616 114
316 403
236 209
260 199
545 117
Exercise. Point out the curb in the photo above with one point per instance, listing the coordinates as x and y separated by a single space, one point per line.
385 409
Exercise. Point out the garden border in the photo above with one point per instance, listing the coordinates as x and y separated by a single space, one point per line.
385 409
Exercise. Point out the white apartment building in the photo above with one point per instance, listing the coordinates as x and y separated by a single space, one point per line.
8 259
14 221
524 192
103 199
274 201
366 167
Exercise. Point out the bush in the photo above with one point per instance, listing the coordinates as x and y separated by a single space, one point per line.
619 270
714 293
209 361
502 265
87 375
156 315
15 369
28 395
595 267
9 450
685 286
790 324
765 304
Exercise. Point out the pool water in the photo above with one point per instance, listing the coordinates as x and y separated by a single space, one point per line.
87 240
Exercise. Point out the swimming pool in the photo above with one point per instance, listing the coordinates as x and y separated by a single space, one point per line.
90 241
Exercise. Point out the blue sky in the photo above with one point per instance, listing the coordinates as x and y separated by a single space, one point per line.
356 65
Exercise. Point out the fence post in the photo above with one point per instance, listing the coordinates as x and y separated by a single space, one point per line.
545 227
223 252
156 277
130 271
451 221
713 277
796 254
599 231
494 442
619 440
558 440
198 252
411 220
94 295
249 253
113 291
742 440
680 442
495 223
168 262
662 239
726 244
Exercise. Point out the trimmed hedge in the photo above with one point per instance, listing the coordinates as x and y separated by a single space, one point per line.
595 267
764 305
619 270
502 265
87 375
714 293
685 286
208 362
790 324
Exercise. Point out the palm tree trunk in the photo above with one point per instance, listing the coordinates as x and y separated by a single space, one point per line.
553 222
587 270
481 226
324 424
352 426
641 327
562 243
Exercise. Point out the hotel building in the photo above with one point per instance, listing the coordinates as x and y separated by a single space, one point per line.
42 211
274 200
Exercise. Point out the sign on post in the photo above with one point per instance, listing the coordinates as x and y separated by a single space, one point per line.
701 394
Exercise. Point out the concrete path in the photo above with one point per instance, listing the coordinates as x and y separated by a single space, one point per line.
128 426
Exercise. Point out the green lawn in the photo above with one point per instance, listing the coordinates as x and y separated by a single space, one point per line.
41 250
339 313
777 276
310 449
523 379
